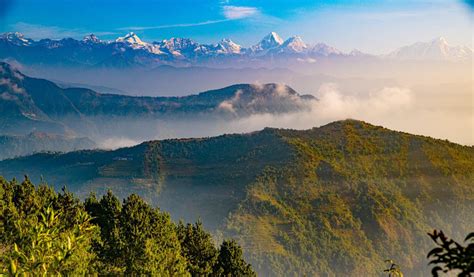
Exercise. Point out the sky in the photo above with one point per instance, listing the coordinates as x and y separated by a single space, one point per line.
371 26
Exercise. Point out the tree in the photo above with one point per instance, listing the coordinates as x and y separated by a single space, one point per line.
450 255
47 233
230 261
38 239
150 243
198 248
52 248
106 213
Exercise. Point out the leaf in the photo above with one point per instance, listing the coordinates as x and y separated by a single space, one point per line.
434 251
435 270
470 236
69 243
13 267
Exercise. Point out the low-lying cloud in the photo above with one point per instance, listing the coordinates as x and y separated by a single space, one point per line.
13 87
397 108
423 111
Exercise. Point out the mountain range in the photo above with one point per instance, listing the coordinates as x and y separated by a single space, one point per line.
336 200
30 104
131 51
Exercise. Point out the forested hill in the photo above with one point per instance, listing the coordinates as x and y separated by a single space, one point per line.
338 199
29 104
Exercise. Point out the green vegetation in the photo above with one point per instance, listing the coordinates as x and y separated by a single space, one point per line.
47 233
334 201
353 195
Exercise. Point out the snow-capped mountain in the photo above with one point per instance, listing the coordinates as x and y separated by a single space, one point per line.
16 39
178 47
227 46
131 38
131 51
91 39
322 49
438 49
270 41
293 45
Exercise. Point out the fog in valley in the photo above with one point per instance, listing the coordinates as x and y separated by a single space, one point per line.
436 101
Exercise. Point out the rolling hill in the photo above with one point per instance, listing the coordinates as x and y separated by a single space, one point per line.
334 200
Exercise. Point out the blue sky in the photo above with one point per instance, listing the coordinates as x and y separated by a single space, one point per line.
371 26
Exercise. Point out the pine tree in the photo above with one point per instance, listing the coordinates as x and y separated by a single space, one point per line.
197 248
151 245
230 261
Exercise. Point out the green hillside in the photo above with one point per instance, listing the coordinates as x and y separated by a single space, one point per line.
334 200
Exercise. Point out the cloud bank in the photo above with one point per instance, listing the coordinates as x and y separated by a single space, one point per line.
397 108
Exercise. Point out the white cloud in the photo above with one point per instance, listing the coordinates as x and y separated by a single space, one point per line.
396 108
229 12
179 25
239 12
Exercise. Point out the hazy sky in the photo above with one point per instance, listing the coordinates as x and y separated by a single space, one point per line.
371 26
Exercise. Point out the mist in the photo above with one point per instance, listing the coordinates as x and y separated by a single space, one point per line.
425 98
399 108
439 111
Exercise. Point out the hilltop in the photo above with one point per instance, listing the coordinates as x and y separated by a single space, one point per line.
338 199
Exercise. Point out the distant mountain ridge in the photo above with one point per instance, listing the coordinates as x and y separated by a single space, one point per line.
438 50
14 146
131 51
30 104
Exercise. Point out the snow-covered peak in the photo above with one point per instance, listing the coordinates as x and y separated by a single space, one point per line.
16 38
274 38
357 53
229 46
177 46
294 44
270 41
322 49
440 41
131 38
178 43
91 38
436 49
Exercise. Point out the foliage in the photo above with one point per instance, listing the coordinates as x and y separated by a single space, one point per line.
198 248
47 233
43 233
450 255
230 261
337 199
